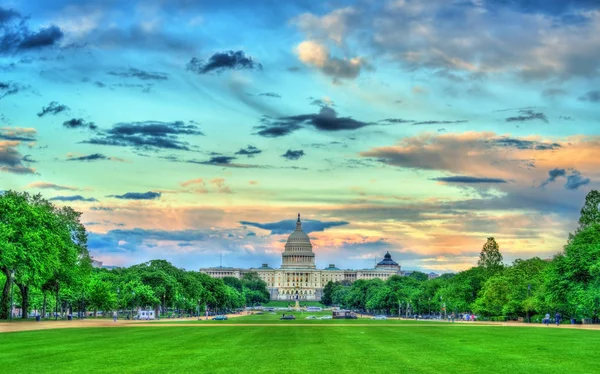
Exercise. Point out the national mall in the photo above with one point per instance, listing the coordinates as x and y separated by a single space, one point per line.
298 277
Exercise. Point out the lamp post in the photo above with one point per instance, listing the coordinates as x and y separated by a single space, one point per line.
12 279
528 292
430 307
132 303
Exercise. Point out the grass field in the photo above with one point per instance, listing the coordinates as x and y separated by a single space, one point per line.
396 347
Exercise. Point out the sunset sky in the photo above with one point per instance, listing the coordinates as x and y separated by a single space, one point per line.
185 129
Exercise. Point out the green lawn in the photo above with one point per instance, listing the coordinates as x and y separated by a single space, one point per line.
435 348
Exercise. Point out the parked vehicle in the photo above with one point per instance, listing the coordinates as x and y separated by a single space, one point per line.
343 314
220 318
289 316
326 317
379 317
311 317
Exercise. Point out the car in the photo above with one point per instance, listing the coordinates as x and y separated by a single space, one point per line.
327 317
380 317
289 316
220 318
311 317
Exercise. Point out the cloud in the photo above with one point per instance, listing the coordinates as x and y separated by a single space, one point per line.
11 161
79 123
20 134
222 61
552 175
51 186
396 120
101 208
219 183
591 96
72 198
333 26
293 155
326 120
130 240
92 157
140 74
485 153
439 122
10 88
270 94
467 179
53 108
16 36
147 135
249 151
317 55
199 181
287 226
574 179
220 160
528 115
430 38
553 93
138 195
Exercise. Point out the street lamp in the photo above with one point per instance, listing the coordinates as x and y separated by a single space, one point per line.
132 303
12 279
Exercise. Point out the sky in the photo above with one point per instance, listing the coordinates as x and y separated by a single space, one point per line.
196 131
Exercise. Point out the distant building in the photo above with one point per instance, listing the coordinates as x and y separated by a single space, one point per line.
432 275
298 278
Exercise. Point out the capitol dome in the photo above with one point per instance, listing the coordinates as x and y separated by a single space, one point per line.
298 250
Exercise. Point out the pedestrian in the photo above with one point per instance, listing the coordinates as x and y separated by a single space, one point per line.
114 316
547 319
557 317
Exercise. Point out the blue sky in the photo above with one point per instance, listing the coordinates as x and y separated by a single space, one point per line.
189 129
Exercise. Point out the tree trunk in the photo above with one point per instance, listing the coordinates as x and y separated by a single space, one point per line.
5 302
24 300
44 305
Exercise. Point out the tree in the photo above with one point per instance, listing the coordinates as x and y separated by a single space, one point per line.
573 279
100 295
421 277
490 257
590 213
254 289
74 265
35 236
328 290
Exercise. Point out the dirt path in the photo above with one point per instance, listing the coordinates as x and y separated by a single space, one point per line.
44 325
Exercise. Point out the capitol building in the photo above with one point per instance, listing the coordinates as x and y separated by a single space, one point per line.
298 278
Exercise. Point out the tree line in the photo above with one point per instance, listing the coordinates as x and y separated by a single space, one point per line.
46 266
569 283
